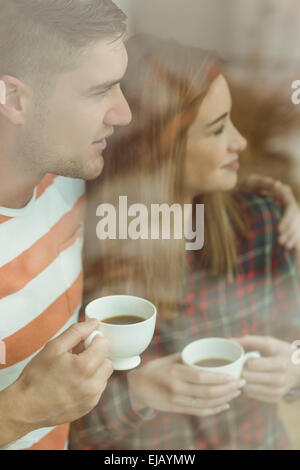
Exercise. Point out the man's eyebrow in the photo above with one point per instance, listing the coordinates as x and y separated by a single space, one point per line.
217 120
103 86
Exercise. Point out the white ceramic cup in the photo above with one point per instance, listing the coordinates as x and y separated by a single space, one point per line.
221 348
127 341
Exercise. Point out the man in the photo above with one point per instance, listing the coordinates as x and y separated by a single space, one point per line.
61 63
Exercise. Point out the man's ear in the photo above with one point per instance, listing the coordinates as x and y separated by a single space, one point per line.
14 99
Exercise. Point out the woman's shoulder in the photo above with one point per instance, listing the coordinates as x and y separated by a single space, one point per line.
261 211
263 214
261 247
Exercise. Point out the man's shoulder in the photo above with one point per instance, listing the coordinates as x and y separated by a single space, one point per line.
68 188
63 181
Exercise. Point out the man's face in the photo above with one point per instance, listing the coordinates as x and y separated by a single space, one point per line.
83 109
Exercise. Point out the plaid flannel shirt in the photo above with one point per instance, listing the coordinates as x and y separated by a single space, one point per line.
264 300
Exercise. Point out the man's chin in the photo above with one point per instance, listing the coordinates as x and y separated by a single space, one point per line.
94 171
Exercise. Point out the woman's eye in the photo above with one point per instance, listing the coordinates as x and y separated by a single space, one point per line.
219 131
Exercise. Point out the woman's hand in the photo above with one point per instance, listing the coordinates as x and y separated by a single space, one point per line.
289 226
274 374
167 385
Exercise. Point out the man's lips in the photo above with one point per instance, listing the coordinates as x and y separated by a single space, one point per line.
101 144
233 166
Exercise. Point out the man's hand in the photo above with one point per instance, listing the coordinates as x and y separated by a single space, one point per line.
59 387
271 376
167 385
289 226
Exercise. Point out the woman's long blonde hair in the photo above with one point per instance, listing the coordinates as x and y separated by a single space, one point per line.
165 84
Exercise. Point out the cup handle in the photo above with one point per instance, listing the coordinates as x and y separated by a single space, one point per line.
251 354
91 337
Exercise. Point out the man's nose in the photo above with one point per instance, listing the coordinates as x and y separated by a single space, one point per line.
119 114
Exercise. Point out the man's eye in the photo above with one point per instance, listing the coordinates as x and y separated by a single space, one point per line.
219 131
103 93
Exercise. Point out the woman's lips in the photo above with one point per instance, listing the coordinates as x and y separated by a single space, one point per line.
233 166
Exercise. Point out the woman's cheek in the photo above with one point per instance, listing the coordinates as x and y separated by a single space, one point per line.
219 154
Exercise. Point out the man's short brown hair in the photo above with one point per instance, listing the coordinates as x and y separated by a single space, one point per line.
42 38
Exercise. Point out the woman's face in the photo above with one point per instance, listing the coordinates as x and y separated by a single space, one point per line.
214 144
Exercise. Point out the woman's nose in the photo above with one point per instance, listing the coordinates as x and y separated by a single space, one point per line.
239 143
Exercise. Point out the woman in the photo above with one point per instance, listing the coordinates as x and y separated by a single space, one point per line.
183 148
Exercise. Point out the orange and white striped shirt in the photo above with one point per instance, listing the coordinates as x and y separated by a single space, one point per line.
40 282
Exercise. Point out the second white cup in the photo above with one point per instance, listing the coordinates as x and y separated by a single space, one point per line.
222 348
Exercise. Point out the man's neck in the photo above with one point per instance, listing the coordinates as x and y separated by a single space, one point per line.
16 189
16 194
17 182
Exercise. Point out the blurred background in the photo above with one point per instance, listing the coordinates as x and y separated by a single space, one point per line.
259 41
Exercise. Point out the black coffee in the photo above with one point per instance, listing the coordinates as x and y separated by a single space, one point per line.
213 362
123 320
